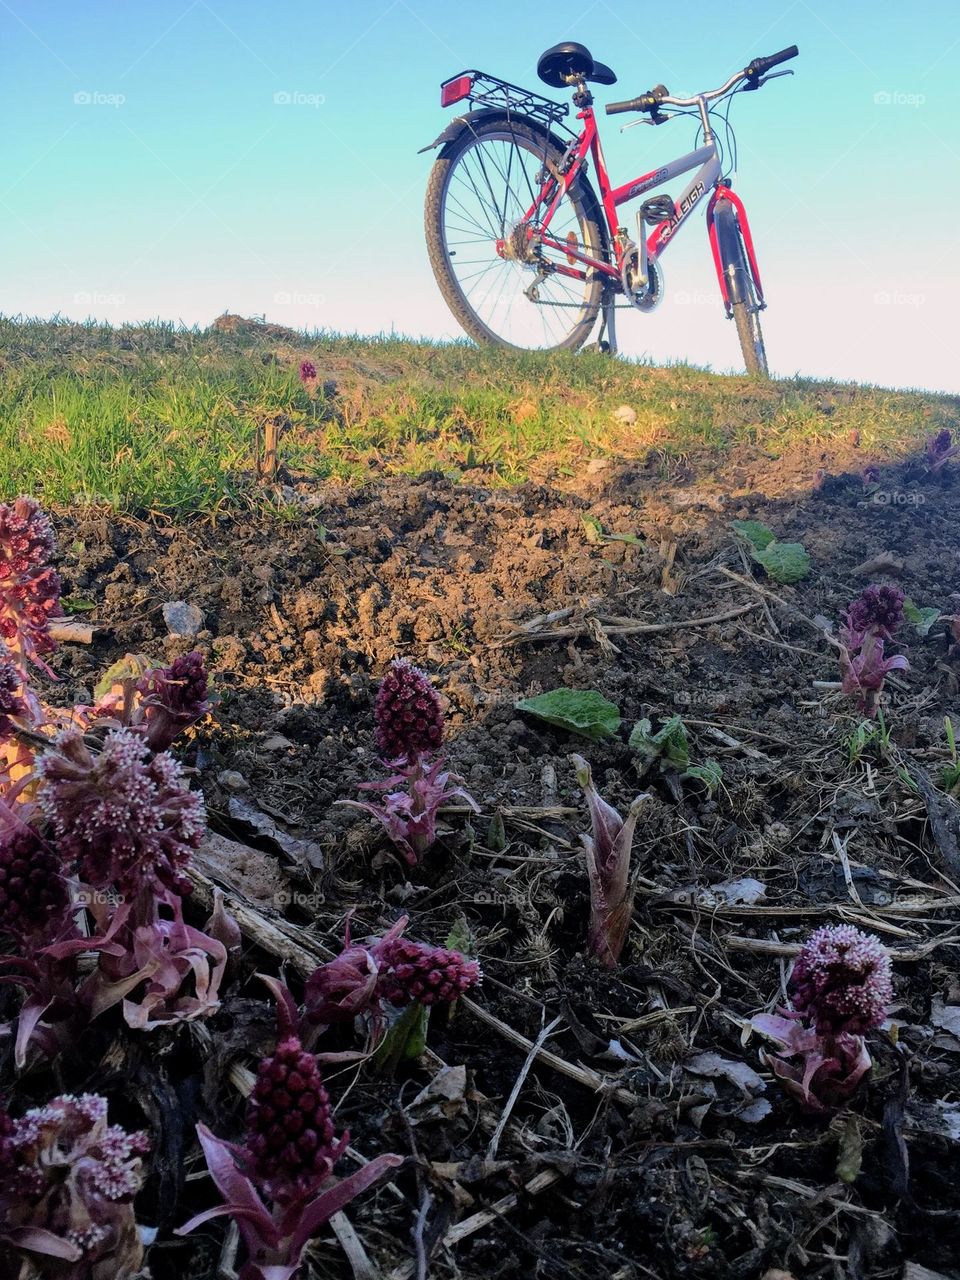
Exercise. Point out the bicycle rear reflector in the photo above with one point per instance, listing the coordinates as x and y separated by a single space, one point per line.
456 90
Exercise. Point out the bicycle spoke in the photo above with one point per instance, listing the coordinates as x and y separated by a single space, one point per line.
524 303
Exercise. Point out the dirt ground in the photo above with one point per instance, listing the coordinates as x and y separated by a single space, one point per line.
666 1170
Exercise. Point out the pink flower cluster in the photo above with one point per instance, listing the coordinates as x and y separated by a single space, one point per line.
841 988
123 817
29 587
408 727
392 969
870 621
66 1189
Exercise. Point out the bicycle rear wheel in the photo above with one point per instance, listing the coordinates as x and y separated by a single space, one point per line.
481 185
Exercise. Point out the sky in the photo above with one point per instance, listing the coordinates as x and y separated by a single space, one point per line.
182 158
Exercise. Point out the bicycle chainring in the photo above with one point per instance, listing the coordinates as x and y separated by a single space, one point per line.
649 296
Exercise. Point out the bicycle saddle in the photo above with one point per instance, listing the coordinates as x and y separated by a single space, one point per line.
571 59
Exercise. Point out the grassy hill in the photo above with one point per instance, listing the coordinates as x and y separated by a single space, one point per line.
158 418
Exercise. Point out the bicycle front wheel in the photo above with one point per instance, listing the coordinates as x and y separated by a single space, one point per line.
502 287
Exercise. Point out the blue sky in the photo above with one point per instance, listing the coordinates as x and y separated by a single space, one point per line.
151 172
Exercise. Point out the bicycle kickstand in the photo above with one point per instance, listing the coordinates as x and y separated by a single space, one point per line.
608 324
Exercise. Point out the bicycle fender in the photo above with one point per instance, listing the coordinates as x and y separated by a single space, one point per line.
725 221
470 118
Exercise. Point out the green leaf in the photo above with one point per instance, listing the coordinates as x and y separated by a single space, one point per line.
755 531
669 744
76 604
582 711
592 528
850 1155
784 561
921 619
406 1039
709 773
128 668
497 835
460 938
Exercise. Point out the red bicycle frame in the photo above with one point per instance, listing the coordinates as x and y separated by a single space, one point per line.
706 179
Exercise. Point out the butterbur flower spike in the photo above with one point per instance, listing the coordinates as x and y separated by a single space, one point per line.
125 818
414 972
173 698
308 373
34 900
29 587
407 715
841 988
940 448
67 1196
286 1162
608 849
870 621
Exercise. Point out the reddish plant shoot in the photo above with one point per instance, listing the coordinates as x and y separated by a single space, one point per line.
608 848
841 988
940 449
124 818
409 816
870 621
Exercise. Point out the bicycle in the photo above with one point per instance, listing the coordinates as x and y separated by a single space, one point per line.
518 238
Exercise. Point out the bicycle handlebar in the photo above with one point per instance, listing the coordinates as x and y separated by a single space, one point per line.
659 96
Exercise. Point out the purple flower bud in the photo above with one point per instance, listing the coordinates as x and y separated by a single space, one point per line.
33 890
291 1143
308 372
126 819
878 609
407 715
939 447
413 971
841 981
173 698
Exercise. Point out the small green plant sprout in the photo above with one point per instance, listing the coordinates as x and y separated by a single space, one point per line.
581 711
612 888
670 748
594 532
920 619
951 774
869 737
785 562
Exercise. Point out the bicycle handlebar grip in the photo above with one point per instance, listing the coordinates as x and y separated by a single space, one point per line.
759 66
615 108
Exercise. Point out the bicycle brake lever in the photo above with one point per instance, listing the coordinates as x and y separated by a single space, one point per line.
661 119
773 75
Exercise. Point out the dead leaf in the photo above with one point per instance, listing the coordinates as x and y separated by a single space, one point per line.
738 1073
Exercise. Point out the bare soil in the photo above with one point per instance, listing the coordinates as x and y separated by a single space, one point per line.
679 1174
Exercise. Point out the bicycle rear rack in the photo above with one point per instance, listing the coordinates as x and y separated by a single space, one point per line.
501 95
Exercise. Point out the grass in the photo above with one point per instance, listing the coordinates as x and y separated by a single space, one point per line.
158 418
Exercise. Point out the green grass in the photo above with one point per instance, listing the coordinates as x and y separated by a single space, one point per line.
158 418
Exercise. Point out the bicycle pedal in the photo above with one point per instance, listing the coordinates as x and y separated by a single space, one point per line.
657 209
